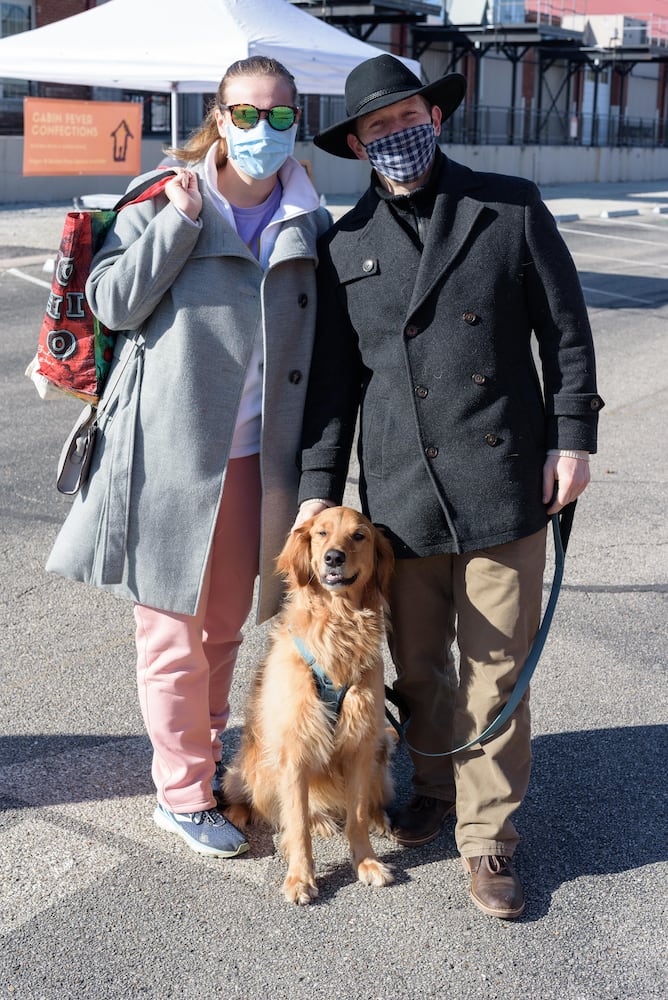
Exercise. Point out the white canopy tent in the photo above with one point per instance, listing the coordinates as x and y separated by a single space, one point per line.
183 46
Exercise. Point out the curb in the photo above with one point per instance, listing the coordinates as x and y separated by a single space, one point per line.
617 213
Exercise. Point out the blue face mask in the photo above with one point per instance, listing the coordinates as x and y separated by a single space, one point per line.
403 156
260 151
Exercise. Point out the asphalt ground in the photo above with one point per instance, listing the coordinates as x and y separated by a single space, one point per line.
95 901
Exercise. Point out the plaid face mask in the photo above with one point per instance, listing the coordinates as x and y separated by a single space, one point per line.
403 156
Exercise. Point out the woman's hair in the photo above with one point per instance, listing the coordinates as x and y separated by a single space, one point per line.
199 142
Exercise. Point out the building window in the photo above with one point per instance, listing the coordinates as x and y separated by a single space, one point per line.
14 17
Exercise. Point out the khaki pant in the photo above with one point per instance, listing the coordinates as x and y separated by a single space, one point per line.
489 602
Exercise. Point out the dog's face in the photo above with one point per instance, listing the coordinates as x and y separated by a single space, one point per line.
339 551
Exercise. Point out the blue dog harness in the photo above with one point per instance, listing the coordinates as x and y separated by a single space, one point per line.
332 697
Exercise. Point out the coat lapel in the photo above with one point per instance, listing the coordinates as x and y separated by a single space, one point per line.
453 218
218 238
295 238
368 247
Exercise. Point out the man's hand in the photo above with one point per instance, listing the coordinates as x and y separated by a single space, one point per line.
310 508
570 475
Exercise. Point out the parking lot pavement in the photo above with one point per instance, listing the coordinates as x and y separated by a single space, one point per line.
579 201
23 227
96 902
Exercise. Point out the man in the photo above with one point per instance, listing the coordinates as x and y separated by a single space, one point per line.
429 290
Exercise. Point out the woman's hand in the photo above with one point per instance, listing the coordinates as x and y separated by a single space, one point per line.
184 194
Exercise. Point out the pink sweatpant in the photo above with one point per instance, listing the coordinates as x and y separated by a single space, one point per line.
185 662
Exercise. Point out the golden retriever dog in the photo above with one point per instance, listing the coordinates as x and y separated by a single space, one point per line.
305 766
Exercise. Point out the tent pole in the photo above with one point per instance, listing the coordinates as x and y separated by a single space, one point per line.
175 115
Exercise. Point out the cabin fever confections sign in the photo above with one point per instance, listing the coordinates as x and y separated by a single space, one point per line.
81 137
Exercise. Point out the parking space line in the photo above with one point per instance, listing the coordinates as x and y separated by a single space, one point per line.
42 864
644 264
634 224
608 236
28 277
619 295
7 262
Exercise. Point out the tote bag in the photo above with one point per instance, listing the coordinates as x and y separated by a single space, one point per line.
74 349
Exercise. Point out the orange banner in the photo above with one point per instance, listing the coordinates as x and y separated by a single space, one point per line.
81 137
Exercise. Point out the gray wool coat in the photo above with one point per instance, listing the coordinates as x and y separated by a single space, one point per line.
194 299
432 345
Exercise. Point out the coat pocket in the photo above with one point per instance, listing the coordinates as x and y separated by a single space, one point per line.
111 546
372 436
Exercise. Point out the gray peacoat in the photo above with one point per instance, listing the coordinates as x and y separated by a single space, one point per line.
434 343
193 300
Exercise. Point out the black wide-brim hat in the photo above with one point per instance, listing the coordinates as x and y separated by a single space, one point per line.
381 81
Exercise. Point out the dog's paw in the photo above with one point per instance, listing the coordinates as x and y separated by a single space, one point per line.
371 871
379 823
239 815
300 890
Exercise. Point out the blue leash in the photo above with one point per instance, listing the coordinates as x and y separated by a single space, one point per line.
561 529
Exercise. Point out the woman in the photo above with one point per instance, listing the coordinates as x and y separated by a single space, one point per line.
193 483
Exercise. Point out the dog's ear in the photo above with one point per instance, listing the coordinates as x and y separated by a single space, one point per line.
384 562
294 562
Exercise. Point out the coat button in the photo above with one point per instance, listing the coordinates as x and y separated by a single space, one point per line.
492 440
367 266
421 391
479 379
471 318
302 301
295 376
411 330
595 403
431 451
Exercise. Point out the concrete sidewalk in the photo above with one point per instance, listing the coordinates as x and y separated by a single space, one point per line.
569 202
580 201
27 229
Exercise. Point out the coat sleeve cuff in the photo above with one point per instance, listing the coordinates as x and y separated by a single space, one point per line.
572 433
321 485
581 404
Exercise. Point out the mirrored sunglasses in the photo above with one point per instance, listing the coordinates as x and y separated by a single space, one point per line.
247 116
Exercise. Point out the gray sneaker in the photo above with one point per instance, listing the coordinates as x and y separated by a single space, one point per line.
207 832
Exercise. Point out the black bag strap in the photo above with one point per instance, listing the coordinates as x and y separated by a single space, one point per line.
146 189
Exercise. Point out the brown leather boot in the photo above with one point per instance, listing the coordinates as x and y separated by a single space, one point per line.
420 820
495 887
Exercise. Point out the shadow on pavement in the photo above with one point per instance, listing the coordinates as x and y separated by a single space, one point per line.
596 803
616 291
596 806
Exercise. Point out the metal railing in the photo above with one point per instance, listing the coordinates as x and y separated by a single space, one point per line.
470 125
496 126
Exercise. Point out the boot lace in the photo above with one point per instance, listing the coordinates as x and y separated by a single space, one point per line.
497 863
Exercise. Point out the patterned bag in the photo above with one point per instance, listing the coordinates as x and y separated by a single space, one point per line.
75 349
